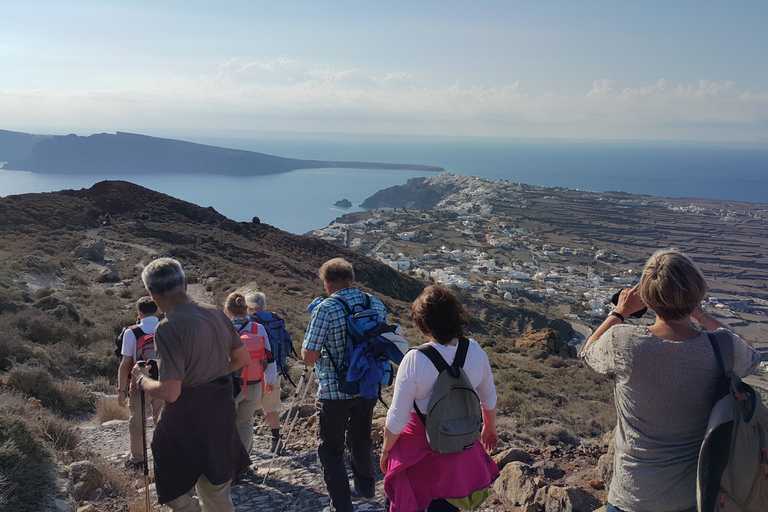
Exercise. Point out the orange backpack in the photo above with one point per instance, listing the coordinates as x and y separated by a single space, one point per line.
256 345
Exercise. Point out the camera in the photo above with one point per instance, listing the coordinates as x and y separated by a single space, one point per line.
636 314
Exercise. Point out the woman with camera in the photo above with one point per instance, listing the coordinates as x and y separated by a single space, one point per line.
665 377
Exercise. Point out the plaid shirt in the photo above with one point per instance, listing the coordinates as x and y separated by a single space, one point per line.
327 332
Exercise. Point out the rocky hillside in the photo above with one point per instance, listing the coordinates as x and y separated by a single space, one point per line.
70 263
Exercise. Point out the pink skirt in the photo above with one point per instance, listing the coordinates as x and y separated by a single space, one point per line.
416 475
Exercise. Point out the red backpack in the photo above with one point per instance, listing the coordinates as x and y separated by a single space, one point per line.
145 345
256 345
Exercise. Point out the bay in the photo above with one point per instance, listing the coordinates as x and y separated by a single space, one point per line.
302 200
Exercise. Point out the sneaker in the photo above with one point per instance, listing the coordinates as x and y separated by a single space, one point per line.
357 496
135 466
277 446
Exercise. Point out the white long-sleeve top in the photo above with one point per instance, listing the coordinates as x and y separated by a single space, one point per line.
416 378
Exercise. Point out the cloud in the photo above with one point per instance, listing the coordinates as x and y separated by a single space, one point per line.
289 94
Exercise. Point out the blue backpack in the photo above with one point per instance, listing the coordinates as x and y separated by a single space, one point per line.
373 345
279 337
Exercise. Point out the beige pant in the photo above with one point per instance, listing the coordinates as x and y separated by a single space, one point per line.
246 405
134 423
212 498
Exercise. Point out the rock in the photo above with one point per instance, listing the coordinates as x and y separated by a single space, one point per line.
344 203
108 274
516 483
510 455
92 250
87 508
86 477
569 499
546 339
59 308
604 469
597 484
548 470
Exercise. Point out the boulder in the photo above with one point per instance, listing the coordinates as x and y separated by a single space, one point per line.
516 483
86 477
567 499
108 274
547 340
548 470
59 308
510 455
604 469
92 250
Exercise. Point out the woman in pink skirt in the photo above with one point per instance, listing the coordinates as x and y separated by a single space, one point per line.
418 478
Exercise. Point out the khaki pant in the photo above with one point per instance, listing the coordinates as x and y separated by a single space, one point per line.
212 498
246 405
134 423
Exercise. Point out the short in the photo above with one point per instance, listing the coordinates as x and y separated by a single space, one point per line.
271 402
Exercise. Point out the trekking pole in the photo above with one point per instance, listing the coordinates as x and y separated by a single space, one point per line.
144 444
142 364
311 371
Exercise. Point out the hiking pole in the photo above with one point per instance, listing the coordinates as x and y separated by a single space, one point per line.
311 371
144 446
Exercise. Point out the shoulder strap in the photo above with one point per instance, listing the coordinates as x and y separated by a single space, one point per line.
137 332
342 302
240 329
722 344
461 353
434 356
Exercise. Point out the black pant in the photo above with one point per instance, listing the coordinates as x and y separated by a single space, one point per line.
339 421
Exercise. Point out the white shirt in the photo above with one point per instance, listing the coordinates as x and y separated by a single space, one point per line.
147 325
416 378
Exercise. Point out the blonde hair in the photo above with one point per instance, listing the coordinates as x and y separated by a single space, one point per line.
337 270
671 285
236 305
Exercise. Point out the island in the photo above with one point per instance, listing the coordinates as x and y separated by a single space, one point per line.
343 203
130 153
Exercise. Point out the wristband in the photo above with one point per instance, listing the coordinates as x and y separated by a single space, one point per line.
617 315
138 382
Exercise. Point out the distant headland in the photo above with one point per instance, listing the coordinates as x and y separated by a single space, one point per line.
121 152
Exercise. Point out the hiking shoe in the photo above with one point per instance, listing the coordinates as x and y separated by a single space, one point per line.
135 466
357 496
277 446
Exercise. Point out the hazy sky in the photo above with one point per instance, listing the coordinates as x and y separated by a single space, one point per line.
695 70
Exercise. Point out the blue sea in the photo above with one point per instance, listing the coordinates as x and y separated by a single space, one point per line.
302 200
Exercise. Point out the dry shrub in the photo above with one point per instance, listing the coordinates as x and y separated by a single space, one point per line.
74 397
62 434
103 385
24 466
66 397
107 409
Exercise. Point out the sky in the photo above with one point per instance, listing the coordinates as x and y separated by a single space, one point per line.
658 70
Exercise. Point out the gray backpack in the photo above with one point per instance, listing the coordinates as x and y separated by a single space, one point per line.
454 414
733 461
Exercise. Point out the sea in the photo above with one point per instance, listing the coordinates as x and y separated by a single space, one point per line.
303 200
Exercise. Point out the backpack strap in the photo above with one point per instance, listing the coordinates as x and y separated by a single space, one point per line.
722 344
137 333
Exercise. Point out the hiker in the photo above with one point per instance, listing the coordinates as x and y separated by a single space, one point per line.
195 445
147 311
665 376
340 415
261 382
407 460
270 402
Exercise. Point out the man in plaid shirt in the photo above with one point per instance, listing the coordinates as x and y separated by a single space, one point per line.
340 415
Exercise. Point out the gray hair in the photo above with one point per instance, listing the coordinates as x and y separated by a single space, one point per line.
163 275
256 300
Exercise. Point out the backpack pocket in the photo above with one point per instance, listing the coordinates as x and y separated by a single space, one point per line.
457 435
